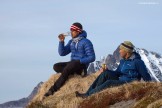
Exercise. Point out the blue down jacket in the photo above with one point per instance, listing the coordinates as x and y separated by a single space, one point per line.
133 69
81 50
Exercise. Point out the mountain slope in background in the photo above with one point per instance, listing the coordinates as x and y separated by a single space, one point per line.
21 103
153 62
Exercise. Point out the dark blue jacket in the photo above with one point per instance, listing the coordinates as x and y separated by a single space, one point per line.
133 69
83 50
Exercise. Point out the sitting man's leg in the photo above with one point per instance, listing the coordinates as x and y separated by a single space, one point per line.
71 68
103 77
106 84
107 75
59 67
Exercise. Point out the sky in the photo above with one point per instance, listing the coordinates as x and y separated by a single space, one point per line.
29 32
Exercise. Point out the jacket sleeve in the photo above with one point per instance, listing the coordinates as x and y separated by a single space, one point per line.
141 68
89 52
118 70
64 50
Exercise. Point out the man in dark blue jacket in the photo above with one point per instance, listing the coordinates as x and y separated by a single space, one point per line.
131 68
82 53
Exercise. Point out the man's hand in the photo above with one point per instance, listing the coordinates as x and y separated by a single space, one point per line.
61 37
102 69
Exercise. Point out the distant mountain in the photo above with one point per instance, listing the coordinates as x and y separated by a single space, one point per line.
153 62
21 103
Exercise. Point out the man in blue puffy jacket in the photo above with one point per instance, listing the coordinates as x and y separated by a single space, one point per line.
82 53
131 68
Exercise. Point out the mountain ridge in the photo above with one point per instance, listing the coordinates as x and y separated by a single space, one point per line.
21 103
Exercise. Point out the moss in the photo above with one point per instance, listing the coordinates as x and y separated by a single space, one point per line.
158 105
145 102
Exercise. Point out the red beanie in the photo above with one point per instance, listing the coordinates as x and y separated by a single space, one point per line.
76 27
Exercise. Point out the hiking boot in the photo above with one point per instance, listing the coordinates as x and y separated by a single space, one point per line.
82 95
48 93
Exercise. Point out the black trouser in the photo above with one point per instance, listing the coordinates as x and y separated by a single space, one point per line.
66 69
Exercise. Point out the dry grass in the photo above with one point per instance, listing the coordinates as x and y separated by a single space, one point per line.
65 97
144 95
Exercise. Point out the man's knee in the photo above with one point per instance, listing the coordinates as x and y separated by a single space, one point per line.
105 74
111 75
56 67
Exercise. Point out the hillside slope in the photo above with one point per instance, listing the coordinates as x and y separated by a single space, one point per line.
133 95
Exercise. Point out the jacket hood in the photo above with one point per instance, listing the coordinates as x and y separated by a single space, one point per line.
135 56
83 34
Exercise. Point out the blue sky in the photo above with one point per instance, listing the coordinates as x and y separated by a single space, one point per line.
29 30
